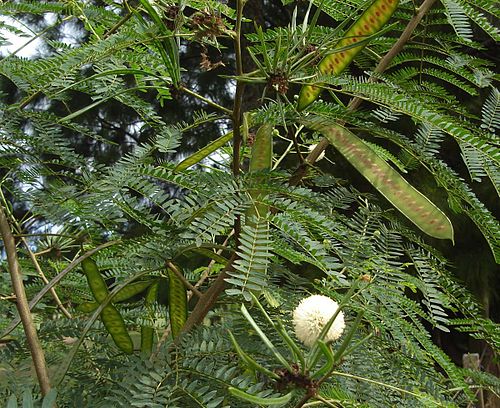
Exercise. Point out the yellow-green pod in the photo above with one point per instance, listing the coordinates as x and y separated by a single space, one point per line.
262 149
87 307
113 321
371 21
147 332
123 294
110 316
95 280
413 204
177 303
204 152
131 290
261 159
147 335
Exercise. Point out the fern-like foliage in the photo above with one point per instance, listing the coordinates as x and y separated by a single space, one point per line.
69 185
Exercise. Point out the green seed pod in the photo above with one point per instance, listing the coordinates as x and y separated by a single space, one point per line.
151 295
87 307
177 303
147 335
371 21
94 278
262 149
131 290
204 152
111 318
113 321
413 204
261 160
147 332
122 295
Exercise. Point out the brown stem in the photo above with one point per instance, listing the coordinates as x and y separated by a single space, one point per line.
45 280
309 394
301 171
22 304
238 98
207 301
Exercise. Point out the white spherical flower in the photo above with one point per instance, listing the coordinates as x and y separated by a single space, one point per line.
312 314
321 155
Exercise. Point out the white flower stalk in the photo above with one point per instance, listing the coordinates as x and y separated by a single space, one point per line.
312 314
321 155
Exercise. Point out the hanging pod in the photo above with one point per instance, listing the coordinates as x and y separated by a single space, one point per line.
110 316
125 293
370 22
261 159
402 195
177 302
147 331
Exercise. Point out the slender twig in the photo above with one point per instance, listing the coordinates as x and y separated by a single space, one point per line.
183 279
206 100
115 28
45 280
325 401
22 304
43 251
36 264
382 384
356 101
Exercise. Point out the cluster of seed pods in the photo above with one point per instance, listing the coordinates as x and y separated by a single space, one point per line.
110 316
371 21
401 194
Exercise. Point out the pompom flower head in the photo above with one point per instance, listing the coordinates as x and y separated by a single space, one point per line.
312 314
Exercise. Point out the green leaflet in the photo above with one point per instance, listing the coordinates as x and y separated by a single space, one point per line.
413 204
177 303
371 21
110 316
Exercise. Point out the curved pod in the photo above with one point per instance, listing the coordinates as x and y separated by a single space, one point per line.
371 21
110 316
261 160
147 332
177 303
402 195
